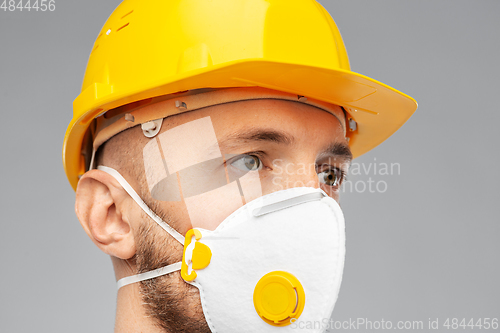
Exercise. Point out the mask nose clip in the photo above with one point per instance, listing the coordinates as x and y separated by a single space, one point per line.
287 203
197 254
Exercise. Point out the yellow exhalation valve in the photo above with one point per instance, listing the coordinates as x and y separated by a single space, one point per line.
278 298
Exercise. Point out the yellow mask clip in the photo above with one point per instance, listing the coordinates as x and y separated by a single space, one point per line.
199 257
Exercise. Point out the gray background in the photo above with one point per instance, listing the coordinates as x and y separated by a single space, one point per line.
426 248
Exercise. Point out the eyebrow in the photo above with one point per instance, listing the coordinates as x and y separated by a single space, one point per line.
337 149
257 134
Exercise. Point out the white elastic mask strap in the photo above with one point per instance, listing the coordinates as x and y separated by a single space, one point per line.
149 275
133 194
141 203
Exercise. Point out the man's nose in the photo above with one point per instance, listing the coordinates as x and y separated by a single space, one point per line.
296 175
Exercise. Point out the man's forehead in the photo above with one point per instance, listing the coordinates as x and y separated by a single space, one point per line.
273 112
181 108
197 136
234 124
266 120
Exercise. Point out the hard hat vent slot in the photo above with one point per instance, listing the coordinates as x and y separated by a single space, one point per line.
123 26
128 13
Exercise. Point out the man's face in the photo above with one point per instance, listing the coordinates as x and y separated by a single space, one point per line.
205 164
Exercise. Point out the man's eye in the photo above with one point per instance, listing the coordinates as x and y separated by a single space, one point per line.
330 177
247 163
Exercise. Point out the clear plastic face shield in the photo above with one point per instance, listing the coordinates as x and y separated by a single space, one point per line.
185 163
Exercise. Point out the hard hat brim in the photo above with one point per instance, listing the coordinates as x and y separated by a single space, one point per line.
378 109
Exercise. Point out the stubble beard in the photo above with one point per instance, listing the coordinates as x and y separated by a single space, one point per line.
173 304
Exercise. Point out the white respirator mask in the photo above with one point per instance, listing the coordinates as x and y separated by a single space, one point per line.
273 265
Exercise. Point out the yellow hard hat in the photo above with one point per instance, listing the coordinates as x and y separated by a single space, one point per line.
156 47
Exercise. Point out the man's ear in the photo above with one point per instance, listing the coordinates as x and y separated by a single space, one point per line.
101 208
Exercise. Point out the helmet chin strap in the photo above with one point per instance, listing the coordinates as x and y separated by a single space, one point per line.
174 233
